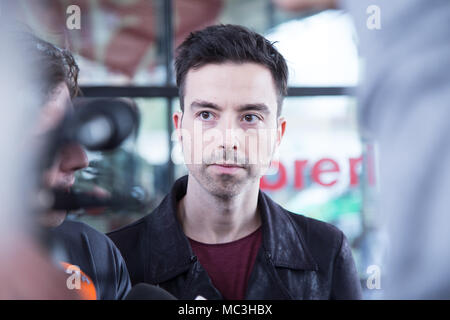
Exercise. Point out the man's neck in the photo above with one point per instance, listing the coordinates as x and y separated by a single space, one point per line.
210 219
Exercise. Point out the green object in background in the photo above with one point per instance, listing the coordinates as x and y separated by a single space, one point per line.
349 203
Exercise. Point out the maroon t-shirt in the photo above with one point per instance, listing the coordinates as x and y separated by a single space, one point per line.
230 264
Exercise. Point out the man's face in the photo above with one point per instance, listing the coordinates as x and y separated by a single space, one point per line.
229 129
71 157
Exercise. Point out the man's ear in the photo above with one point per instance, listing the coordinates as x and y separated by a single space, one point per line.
281 128
177 118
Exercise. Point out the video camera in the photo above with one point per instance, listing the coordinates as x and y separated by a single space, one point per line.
98 124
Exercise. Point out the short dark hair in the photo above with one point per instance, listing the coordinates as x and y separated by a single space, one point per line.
223 43
52 64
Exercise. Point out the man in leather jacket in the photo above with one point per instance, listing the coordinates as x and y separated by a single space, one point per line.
216 235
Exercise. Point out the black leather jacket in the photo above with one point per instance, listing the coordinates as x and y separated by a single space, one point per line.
300 258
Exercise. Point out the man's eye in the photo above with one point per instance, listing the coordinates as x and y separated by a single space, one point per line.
250 118
205 115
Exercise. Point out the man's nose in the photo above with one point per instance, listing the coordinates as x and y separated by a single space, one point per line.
230 135
73 158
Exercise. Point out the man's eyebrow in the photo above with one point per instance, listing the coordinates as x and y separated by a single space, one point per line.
254 107
205 104
246 107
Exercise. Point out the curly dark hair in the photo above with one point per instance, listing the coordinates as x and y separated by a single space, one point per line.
52 64
223 43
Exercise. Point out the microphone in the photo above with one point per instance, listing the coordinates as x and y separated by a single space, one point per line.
144 291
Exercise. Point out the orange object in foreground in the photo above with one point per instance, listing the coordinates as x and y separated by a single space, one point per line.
79 282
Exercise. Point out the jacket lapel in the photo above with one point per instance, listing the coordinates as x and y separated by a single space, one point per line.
283 242
283 247
168 251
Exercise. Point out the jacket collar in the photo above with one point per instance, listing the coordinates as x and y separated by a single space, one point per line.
283 241
170 252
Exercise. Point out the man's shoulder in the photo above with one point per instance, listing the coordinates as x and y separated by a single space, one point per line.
75 228
81 231
314 227
140 226
133 228
95 254
130 237
132 242
319 236
309 229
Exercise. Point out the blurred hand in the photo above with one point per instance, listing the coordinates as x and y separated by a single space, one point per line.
305 5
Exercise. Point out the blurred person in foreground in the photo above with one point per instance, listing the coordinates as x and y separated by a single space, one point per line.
404 105
26 269
216 235
76 246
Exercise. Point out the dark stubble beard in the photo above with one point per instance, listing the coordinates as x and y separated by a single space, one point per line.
223 186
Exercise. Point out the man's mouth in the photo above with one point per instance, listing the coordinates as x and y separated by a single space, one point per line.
226 168
228 165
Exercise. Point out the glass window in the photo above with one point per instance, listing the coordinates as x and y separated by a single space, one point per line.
320 50
318 169
117 42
